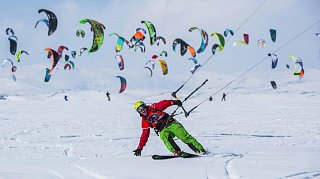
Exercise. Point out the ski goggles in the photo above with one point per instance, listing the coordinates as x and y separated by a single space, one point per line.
141 108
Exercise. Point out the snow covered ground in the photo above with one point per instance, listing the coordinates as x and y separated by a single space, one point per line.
258 132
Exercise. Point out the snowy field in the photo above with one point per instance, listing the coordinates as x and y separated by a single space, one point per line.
258 132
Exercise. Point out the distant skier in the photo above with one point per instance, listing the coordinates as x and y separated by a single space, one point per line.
66 98
3 97
108 95
154 117
210 98
223 97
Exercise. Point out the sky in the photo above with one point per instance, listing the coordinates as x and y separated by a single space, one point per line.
172 20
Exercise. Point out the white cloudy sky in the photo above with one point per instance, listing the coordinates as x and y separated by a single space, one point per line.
172 19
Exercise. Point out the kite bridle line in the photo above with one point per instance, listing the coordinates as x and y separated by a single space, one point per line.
185 99
258 63
174 94
185 82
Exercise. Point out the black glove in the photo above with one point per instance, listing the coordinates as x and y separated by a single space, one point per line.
177 102
137 152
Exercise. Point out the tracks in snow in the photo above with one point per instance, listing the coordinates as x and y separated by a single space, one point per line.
311 174
230 171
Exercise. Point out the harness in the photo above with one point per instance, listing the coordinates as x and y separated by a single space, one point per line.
167 120
163 121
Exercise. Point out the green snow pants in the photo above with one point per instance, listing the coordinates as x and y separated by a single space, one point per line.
175 129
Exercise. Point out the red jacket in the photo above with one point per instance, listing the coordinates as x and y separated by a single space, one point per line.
154 118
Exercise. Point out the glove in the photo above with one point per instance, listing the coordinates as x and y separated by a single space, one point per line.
177 102
137 152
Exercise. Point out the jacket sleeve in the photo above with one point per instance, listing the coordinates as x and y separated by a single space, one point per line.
162 105
144 138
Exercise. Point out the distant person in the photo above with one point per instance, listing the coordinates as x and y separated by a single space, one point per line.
108 95
210 98
66 98
223 97
3 97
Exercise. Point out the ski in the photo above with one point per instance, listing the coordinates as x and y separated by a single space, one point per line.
164 157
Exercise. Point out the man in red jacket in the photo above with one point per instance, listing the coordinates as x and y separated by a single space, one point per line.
154 117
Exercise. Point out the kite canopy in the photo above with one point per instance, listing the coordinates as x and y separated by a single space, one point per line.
82 50
152 61
159 38
13 68
7 61
204 38
61 49
120 42
42 20
151 30
165 53
196 65
19 53
137 39
13 77
123 83
80 32
273 35
227 32
221 41
120 61
47 75
274 60
13 44
246 38
98 33
262 43
9 31
273 84
164 66
149 69
69 65
183 47
297 60
73 54
51 22
55 58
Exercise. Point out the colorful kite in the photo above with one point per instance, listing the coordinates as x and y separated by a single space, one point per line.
120 61
183 47
98 33
123 83
273 35
221 41
204 38
51 22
